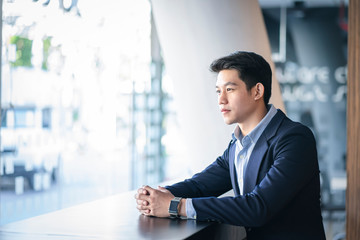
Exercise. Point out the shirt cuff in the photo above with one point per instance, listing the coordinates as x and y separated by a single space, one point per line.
190 211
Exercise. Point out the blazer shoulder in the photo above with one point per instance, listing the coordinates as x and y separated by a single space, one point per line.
290 126
282 124
282 127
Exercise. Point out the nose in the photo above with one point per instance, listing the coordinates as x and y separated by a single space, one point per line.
222 99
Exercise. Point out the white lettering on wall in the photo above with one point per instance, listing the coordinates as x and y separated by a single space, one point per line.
341 74
305 84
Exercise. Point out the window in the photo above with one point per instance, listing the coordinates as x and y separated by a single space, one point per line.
81 113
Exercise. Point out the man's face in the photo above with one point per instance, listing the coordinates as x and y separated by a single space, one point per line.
236 103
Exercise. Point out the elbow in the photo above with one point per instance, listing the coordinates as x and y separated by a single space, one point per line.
259 213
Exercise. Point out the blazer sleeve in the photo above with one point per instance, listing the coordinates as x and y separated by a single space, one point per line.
294 165
213 181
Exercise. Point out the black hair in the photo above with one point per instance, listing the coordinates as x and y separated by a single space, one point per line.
252 69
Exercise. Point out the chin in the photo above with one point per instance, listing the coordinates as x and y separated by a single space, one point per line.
228 122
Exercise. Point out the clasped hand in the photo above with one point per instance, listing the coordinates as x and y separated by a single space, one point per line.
153 202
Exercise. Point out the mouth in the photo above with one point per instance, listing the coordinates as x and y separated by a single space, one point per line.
225 110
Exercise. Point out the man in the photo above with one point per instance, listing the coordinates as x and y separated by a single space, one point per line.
270 163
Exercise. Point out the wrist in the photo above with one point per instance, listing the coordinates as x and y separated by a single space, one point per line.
182 207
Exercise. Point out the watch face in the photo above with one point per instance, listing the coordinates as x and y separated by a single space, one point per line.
173 207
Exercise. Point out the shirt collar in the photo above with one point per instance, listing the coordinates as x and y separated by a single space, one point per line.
255 134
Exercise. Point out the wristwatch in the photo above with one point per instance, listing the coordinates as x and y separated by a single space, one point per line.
173 208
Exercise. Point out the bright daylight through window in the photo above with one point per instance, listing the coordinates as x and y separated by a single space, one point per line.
75 120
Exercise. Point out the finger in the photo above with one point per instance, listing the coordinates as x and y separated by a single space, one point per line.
139 195
142 191
150 190
142 202
142 207
146 212
143 197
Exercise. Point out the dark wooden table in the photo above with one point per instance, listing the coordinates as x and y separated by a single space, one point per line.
114 217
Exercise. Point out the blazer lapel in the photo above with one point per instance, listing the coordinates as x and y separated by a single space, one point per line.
259 151
252 170
232 168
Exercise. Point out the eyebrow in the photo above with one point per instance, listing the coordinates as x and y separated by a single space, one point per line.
228 84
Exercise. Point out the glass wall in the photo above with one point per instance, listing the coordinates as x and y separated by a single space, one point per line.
83 108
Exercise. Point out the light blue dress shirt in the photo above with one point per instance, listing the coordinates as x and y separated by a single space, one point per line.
244 148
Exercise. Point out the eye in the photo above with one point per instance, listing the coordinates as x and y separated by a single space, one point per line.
218 91
229 89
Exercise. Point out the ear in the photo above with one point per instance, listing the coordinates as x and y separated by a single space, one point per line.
258 91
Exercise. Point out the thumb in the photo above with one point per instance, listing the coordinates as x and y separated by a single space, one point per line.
162 189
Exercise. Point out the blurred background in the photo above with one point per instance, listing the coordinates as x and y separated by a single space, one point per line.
88 108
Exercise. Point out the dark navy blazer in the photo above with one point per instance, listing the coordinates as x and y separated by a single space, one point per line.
281 198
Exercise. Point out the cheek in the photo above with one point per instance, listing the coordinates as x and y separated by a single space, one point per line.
237 101
240 104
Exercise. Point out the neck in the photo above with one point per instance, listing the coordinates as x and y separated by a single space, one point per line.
252 121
